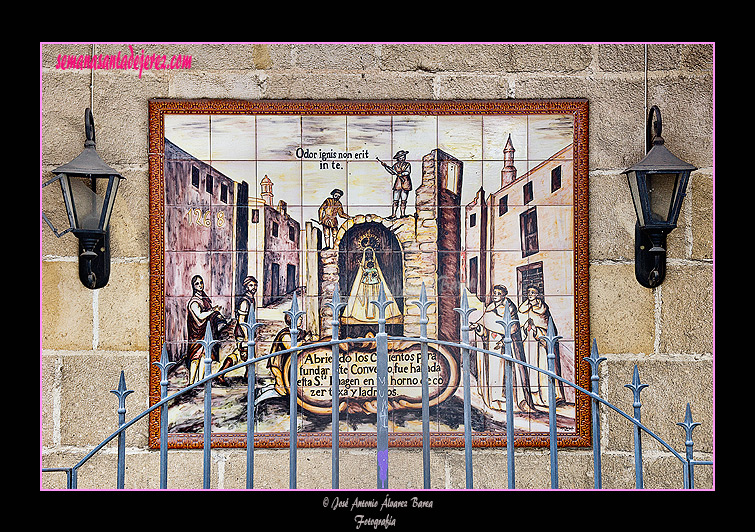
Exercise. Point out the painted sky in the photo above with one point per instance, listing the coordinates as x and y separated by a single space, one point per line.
308 156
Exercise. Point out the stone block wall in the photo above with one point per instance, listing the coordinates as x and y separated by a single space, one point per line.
88 337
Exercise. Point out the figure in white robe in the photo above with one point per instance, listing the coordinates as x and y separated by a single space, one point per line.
491 368
535 328
365 289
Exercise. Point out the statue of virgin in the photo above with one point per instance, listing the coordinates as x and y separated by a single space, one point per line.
366 288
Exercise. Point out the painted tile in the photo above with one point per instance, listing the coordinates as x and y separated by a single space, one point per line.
260 208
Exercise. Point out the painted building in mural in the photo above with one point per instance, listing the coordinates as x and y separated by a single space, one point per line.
199 216
215 230
277 236
520 237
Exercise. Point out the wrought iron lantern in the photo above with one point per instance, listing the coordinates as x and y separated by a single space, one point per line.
89 187
658 184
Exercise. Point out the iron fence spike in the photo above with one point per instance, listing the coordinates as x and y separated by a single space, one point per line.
463 309
294 314
551 338
688 425
294 304
381 294
163 363
507 323
336 294
251 325
335 302
121 392
381 303
423 303
594 359
636 386
464 312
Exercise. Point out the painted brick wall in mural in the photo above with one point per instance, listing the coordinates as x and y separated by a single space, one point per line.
259 206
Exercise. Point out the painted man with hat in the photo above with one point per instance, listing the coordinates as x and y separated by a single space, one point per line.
328 214
403 182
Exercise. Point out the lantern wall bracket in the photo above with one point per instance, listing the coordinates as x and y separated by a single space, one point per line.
649 257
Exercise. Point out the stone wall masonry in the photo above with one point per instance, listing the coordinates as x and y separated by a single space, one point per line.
87 337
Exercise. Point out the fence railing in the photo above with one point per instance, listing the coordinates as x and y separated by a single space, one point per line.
381 340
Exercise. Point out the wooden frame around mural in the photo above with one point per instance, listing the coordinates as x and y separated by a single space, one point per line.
484 196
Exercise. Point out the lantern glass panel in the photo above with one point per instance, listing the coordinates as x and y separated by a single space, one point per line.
636 197
112 189
85 203
661 192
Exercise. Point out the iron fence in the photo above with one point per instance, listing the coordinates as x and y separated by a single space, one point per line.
686 459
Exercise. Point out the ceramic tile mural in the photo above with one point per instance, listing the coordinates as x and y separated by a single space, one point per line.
255 202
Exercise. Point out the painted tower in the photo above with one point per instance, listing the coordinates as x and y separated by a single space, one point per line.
508 173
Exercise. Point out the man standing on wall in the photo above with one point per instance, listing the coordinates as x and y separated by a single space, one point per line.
328 214
403 182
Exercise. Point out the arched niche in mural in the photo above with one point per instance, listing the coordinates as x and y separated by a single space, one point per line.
369 255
